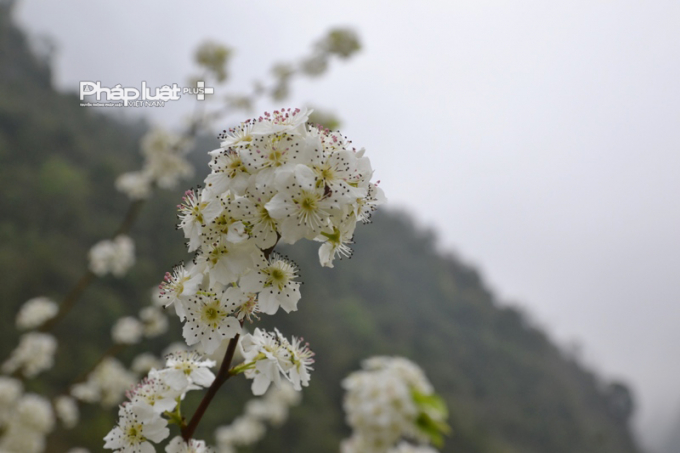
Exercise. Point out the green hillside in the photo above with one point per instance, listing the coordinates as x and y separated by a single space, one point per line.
509 389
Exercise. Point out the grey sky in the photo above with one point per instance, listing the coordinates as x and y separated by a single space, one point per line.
540 139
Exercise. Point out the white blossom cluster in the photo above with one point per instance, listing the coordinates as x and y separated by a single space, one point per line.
112 256
269 355
35 312
249 428
25 419
129 330
140 419
106 384
164 165
385 402
274 178
33 355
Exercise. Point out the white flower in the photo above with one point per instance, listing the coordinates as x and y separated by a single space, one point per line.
411 373
301 361
154 395
274 280
10 392
132 435
35 312
228 173
34 413
177 445
136 185
251 209
335 244
195 212
284 120
164 161
226 261
127 330
107 383
269 356
67 411
34 354
18 439
243 431
210 318
154 321
179 286
114 257
186 368
302 209
383 402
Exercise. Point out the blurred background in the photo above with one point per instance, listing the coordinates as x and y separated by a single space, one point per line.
530 152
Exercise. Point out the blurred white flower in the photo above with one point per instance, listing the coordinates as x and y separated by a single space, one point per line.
34 354
127 330
35 312
112 256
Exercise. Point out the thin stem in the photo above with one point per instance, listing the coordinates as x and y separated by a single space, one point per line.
222 376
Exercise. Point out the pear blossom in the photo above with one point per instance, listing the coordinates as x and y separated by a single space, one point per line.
177 445
196 211
127 330
67 411
136 185
34 413
178 286
274 281
154 322
36 312
10 392
153 395
210 318
112 256
185 368
33 355
133 434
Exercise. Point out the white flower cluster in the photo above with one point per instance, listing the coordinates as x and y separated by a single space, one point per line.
112 256
249 428
32 418
140 418
107 384
385 402
269 355
273 178
129 330
36 312
164 165
33 355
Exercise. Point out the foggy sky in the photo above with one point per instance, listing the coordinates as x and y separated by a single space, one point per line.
540 139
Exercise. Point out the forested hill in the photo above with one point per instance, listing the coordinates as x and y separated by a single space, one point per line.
509 389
